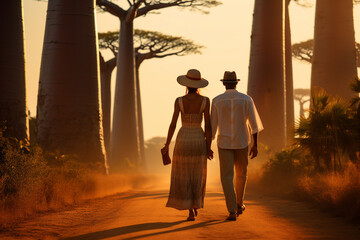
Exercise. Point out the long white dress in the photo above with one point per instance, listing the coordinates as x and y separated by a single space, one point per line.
188 172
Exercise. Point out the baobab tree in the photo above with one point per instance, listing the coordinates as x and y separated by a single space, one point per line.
303 96
13 109
106 69
266 84
334 58
148 45
68 113
289 85
124 140
303 51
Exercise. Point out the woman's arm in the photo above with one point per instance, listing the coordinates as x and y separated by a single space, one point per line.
208 134
172 124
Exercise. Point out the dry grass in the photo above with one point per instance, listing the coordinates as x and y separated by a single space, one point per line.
290 174
338 192
34 182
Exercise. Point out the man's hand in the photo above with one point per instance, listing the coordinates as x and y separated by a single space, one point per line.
253 152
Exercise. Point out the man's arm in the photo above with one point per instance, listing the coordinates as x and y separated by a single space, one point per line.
214 120
253 151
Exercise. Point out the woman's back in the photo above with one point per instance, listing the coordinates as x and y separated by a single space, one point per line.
192 103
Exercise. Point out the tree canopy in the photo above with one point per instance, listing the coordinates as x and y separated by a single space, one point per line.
151 44
139 8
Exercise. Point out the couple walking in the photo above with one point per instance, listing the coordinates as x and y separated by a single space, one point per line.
235 118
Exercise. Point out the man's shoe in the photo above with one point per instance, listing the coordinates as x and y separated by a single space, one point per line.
240 210
231 217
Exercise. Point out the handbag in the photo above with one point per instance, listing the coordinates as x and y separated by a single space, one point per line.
165 156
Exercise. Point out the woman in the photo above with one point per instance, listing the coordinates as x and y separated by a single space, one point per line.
192 146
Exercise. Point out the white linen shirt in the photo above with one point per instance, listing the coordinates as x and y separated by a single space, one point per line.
235 116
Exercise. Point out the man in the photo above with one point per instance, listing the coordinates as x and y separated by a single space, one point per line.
235 116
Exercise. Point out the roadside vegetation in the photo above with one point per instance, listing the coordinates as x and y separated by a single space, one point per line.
323 164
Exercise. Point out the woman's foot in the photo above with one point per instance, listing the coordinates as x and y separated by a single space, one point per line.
196 212
191 216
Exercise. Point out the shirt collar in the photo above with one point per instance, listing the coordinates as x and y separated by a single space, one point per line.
231 90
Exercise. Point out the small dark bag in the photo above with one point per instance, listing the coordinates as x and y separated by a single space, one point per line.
165 157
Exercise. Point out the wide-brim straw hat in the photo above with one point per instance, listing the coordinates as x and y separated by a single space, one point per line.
230 77
192 79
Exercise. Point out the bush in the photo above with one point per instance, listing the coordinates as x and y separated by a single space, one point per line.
281 172
34 181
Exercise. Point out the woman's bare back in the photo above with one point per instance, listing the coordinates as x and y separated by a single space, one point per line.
192 103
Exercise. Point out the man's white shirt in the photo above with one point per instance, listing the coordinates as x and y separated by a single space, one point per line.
234 116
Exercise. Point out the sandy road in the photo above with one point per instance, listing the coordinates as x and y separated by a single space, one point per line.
142 215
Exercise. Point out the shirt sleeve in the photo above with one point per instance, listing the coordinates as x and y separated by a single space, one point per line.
254 118
214 120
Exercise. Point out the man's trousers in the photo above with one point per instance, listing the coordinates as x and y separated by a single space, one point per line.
230 158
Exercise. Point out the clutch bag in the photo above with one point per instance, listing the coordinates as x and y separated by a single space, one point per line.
165 156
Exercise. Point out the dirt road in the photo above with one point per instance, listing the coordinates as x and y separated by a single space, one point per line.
142 215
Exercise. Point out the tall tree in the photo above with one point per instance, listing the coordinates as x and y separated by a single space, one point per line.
106 69
108 40
13 109
68 114
125 143
148 45
289 85
303 51
334 59
266 83
299 95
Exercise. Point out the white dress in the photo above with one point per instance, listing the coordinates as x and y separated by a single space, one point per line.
188 172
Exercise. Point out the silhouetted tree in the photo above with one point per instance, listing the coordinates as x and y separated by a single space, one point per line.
299 95
124 140
68 111
148 45
13 109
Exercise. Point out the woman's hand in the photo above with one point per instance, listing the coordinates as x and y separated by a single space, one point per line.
210 154
165 149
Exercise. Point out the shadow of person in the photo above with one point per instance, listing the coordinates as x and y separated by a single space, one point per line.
124 230
189 227
140 227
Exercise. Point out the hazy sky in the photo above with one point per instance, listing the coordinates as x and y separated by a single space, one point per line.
225 33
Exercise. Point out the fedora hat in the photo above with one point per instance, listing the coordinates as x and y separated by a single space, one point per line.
192 79
230 77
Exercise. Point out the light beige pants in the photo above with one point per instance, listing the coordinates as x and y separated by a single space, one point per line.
228 159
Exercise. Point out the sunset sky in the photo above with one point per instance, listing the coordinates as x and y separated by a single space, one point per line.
225 33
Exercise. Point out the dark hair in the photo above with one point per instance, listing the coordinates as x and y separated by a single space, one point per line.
192 90
230 85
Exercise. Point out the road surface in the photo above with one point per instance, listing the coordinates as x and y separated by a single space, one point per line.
142 214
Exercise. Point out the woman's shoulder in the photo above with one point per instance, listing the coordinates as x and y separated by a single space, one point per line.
205 98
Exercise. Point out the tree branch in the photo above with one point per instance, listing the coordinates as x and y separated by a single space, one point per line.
111 8
144 10
111 64
132 13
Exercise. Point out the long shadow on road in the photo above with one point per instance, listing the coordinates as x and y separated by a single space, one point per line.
140 227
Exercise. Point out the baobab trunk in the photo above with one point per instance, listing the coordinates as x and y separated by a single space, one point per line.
69 115
334 58
106 69
289 78
124 140
266 70
140 123
13 109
